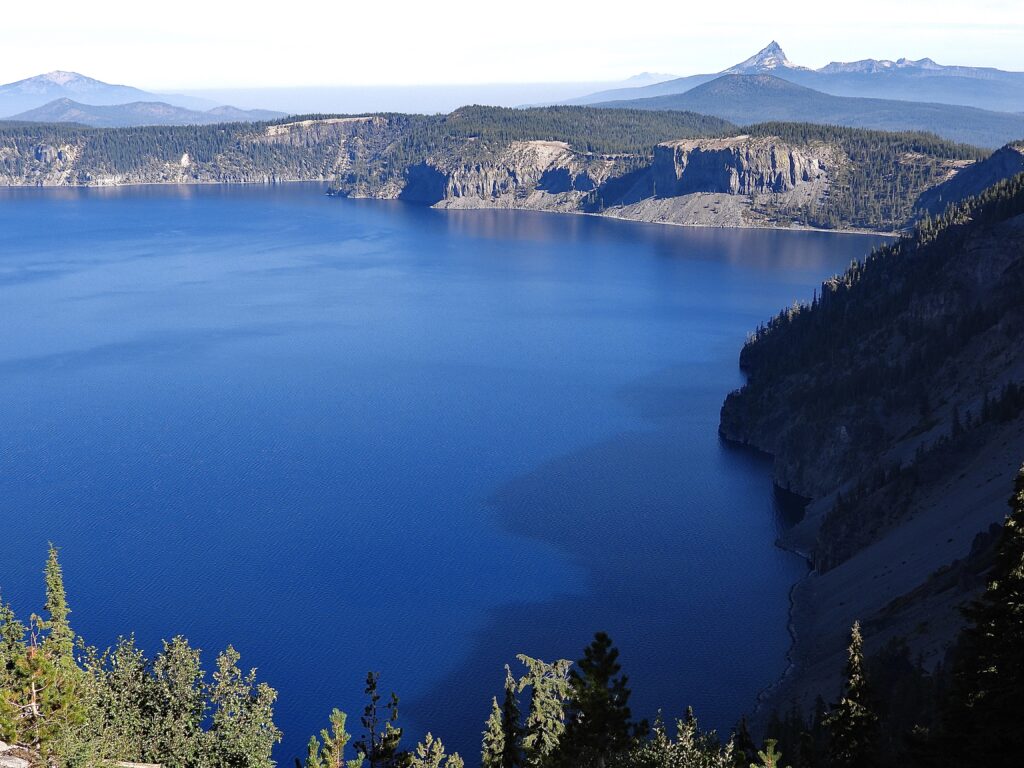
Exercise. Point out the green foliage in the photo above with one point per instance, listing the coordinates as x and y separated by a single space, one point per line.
769 757
329 750
494 738
242 733
430 753
382 737
60 640
691 748
598 718
545 721
852 723
119 706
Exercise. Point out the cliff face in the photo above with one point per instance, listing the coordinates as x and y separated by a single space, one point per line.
894 402
509 177
739 166
711 182
478 157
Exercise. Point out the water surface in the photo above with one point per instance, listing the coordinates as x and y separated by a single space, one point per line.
357 435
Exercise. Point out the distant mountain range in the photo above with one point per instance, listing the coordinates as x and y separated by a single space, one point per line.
138 113
921 80
68 97
754 98
33 92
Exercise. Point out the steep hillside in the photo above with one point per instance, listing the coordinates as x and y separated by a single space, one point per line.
749 98
1002 164
894 401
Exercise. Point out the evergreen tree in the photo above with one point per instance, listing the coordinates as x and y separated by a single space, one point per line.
380 745
545 722
511 726
982 724
852 723
60 641
242 731
744 747
494 739
430 754
769 757
598 718
329 750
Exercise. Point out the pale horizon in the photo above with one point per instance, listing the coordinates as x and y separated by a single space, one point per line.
205 46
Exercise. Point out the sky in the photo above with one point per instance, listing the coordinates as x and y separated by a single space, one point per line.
214 44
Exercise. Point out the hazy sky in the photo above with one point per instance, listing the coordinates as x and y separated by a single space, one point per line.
207 43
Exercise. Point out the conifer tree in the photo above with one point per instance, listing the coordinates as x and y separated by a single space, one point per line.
60 640
380 745
329 750
852 723
769 757
430 753
598 718
511 726
545 722
494 738
982 724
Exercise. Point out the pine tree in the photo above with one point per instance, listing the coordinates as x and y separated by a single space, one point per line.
494 738
598 718
511 727
329 750
60 641
982 722
769 757
380 746
852 723
430 754
545 722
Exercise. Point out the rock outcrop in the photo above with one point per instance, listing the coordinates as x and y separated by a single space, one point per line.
742 165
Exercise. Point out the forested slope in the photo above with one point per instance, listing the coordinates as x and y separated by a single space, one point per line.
894 399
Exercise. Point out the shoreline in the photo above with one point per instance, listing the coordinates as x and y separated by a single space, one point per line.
482 207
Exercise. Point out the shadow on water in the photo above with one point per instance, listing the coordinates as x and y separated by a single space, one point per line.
698 612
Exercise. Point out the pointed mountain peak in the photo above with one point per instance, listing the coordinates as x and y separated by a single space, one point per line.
768 59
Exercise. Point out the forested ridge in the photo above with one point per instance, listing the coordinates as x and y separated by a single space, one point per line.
875 179
64 704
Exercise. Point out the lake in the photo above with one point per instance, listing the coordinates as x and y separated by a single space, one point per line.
351 435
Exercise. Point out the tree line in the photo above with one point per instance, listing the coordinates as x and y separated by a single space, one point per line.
74 706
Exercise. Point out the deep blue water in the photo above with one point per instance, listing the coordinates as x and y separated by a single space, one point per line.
358 435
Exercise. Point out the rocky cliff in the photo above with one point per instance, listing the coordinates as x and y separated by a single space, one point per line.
743 165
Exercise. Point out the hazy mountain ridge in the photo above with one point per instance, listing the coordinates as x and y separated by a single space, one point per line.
752 98
922 80
137 113
32 92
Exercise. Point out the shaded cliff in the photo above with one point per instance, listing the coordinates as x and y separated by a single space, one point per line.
893 401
